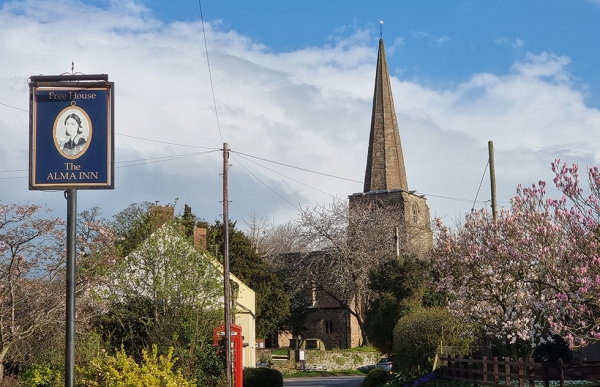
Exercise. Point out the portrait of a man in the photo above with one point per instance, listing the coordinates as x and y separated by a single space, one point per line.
72 132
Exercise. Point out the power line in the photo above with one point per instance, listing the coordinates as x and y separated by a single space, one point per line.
160 159
263 183
135 163
14 107
14 170
299 168
164 142
480 183
287 177
212 89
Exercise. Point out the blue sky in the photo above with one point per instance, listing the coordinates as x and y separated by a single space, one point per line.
293 83
444 42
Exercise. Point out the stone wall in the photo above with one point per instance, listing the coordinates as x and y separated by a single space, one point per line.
333 360
329 325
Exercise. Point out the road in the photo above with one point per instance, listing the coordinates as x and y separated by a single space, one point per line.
330 381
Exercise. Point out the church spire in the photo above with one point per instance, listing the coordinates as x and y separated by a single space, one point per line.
385 163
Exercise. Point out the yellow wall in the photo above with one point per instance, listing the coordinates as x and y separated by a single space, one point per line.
245 312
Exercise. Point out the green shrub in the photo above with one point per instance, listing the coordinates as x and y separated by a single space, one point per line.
40 376
376 378
262 377
418 335
122 370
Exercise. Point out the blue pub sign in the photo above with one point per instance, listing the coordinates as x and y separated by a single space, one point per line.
71 132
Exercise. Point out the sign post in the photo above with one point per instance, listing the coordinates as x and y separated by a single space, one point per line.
71 147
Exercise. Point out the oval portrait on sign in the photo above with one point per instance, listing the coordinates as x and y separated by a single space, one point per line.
72 132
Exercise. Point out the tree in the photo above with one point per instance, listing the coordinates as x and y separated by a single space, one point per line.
131 227
535 271
94 258
96 250
338 247
160 289
31 274
272 303
188 221
418 335
400 288
257 230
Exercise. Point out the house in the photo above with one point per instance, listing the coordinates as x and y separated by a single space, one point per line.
153 276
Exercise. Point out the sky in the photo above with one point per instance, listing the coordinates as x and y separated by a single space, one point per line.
289 86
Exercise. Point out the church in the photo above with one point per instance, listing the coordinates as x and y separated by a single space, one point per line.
328 324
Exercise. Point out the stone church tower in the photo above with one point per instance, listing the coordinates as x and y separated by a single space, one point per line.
386 185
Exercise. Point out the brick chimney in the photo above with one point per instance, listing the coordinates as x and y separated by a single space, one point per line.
200 237
160 215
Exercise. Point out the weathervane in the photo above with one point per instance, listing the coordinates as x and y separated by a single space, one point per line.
381 29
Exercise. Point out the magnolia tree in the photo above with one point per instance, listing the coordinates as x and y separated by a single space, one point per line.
535 270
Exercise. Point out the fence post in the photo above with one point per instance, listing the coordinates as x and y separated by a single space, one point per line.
485 364
521 373
444 369
496 378
546 376
507 370
562 373
531 373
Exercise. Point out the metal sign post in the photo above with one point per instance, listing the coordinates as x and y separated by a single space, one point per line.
71 280
71 147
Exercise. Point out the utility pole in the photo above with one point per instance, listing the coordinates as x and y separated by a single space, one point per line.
492 178
226 284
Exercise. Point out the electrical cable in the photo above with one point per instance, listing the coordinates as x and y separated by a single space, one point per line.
160 159
299 168
287 177
163 142
14 107
209 71
263 183
480 183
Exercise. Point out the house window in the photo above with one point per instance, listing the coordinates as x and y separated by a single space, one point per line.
328 326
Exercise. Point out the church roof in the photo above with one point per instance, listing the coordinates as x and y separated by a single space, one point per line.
385 162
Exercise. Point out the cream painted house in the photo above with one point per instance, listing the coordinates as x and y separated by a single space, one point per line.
245 316
166 236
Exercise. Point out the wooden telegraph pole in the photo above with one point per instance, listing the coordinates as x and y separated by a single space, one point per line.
492 178
226 284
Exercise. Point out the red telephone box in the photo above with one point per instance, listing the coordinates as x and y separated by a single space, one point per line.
236 351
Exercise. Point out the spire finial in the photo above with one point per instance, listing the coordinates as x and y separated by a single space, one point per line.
72 67
381 29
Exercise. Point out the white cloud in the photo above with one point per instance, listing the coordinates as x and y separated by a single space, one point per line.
504 41
310 108
432 39
442 39
420 34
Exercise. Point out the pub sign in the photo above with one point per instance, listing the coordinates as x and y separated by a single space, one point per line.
71 132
